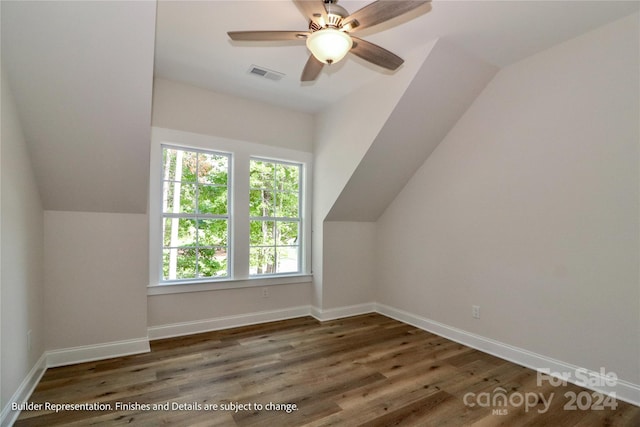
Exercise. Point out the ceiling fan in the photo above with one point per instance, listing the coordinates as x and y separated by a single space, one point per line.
329 36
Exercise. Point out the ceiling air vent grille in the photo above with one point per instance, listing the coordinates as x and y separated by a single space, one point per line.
265 73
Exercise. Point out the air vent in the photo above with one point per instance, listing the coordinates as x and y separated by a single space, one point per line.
265 73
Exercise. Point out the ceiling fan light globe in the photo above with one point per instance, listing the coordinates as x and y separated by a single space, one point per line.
329 45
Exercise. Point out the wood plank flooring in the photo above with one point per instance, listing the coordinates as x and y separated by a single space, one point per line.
365 370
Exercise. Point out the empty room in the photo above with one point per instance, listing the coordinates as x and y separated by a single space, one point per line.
320 213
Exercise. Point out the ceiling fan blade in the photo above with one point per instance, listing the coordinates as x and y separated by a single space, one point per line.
313 10
381 11
259 36
375 54
311 69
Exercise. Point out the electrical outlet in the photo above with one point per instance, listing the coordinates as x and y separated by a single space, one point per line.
265 292
475 311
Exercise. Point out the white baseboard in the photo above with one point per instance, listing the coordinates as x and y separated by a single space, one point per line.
8 415
623 390
340 312
218 323
89 353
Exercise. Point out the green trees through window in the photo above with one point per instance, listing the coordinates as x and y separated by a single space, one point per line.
197 219
274 214
195 210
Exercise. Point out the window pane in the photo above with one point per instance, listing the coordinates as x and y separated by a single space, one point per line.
212 232
287 205
288 259
212 200
187 201
274 193
261 174
212 262
166 253
167 195
166 232
189 169
288 177
187 198
213 169
262 233
287 233
169 161
179 232
195 187
179 263
261 203
262 260
179 165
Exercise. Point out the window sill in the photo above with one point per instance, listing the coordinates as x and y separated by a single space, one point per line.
179 288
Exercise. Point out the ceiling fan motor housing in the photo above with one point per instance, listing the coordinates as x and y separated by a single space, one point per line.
335 15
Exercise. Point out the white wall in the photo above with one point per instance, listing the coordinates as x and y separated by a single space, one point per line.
96 277
81 73
343 134
348 255
188 108
21 266
206 305
529 208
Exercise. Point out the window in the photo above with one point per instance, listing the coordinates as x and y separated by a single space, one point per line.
225 214
274 214
195 214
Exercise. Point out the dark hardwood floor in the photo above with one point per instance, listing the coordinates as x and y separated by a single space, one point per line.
365 370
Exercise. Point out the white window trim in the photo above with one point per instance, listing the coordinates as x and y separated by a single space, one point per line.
241 152
196 214
276 219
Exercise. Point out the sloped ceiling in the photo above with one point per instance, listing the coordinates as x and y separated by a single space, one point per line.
447 83
192 45
81 72
82 75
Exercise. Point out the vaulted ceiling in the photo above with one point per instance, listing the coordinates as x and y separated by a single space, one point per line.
82 72
192 44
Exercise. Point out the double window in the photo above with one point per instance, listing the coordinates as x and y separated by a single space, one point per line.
228 216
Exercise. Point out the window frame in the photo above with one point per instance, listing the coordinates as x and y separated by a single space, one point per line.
197 216
276 219
241 152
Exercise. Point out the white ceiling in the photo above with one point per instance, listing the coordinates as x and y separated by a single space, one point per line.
192 45
81 71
